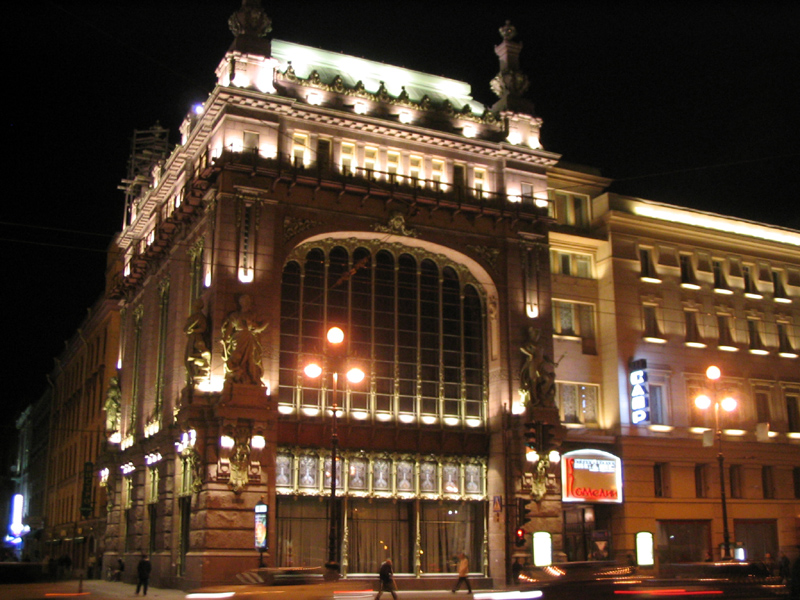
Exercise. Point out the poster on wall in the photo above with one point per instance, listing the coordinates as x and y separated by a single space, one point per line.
593 476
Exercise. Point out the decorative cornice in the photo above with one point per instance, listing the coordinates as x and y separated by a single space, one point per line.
490 255
396 226
293 226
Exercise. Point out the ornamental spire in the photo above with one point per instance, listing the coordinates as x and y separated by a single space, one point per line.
510 83
251 26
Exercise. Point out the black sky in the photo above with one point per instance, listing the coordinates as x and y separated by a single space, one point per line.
694 103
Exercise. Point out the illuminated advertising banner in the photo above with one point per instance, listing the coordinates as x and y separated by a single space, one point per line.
261 526
640 393
591 476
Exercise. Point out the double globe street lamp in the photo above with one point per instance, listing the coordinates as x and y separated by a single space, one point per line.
335 361
727 404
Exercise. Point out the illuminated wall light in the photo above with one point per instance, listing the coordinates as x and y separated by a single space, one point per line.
772 434
383 417
648 279
264 81
542 548
360 108
310 412
16 527
661 428
198 109
690 286
405 418
226 441
246 275
794 435
758 351
753 296
554 457
788 354
699 430
726 348
514 137
695 344
126 442
734 432
470 131
214 383
645 556
515 199
207 280
541 202
314 98
258 442
268 151
285 409
115 438
126 272
359 415
654 340
216 151
241 79
404 117
782 300
531 455
532 311
428 419
451 421
237 146
533 141
104 473
723 291
473 422
152 458
127 468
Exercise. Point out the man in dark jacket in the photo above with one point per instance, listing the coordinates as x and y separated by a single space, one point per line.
386 575
143 571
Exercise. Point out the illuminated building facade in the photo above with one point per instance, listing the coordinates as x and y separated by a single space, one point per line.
641 307
313 189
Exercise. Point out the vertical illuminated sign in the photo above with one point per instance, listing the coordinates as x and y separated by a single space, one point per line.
640 393
261 526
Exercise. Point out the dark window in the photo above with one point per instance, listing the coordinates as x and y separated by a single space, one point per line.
767 482
735 481
701 480
660 487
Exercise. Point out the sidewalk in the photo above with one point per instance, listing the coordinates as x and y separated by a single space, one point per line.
116 589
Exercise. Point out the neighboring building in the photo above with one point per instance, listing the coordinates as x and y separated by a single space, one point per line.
314 189
666 292
74 503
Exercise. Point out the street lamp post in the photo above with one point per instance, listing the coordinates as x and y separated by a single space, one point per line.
336 363
727 404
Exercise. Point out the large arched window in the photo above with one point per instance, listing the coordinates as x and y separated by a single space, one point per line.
413 319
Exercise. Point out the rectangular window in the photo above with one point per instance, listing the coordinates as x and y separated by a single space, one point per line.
688 278
437 173
657 416
568 263
415 170
779 289
693 338
152 485
750 287
324 154
459 176
573 319
725 332
660 481
578 402
793 411
701 481
569 209
762 407
393 166
796 481
720 279
370 161
300 150
767 482
647 268
250 141
479 180
755 341
652 326
785 346
735 480
347 158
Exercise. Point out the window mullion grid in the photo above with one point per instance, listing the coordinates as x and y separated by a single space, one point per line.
462 358
396 365
418 384
440 316
298 388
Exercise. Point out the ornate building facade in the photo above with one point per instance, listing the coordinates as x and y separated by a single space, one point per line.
310 190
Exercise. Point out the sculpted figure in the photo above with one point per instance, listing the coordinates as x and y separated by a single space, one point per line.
537 377
112 405
197 357
241 347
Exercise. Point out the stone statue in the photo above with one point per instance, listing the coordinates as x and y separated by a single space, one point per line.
197 357
239 465
537 377
113 405
241 347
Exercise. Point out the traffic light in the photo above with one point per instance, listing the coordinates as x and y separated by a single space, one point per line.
548 438
533 436
519 537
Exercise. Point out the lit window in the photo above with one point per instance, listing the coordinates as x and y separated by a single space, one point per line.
569 209
720 280
693 337
371 161
578 402
393 166
569 263
415 169
647 268
688 279
652 327
479 182
347 158
572 319
437 173
725 332
250 141
300 149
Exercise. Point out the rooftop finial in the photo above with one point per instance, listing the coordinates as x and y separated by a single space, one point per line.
508 31
510 83
250 25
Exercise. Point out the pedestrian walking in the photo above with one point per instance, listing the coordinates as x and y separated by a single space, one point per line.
143 572
386 575
463 573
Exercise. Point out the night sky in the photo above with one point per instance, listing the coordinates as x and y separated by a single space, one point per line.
690 103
